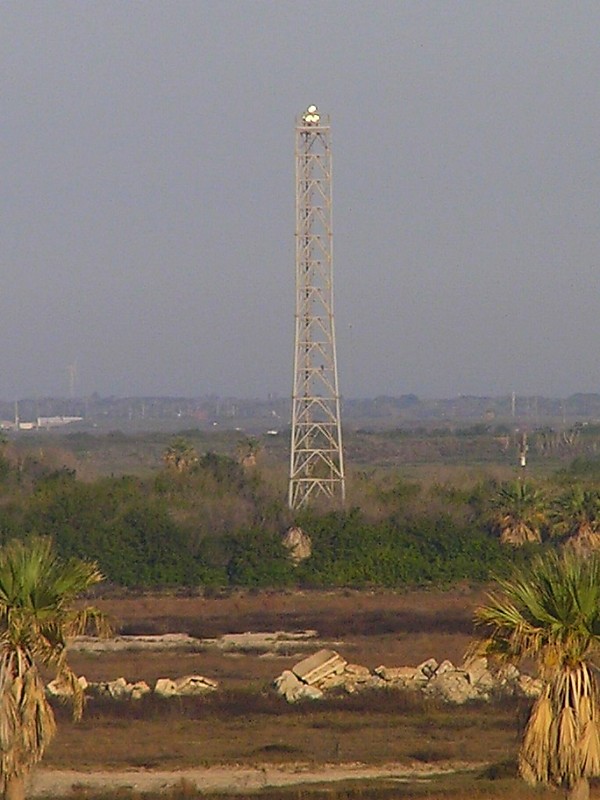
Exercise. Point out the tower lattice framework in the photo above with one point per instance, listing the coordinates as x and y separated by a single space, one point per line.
317 460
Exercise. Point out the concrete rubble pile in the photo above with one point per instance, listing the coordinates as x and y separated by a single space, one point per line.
326 670
120 689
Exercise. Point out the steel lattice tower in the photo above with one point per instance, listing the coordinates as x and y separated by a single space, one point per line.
316 462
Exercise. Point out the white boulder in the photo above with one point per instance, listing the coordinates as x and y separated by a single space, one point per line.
298 544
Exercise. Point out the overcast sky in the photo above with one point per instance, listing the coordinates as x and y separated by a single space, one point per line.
147 200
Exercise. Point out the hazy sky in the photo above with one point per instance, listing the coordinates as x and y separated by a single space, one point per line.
147 203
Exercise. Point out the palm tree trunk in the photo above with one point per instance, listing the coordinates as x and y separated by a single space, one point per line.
15 788
579 791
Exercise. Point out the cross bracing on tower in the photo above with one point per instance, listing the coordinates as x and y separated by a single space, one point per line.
316 461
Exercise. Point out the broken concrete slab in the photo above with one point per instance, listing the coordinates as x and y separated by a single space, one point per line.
428 668
167 641
454 688
186 686
333 681
359 673
62 690
313 669
269 642
293 689
287 684
190 685
400 674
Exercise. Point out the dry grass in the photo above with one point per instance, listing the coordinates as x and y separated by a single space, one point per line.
334 613
248 727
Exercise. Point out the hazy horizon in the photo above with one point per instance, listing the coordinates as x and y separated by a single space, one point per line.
147 216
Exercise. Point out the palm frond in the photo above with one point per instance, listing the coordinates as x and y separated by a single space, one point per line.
37 591
534 763
590 749
550 612
88 620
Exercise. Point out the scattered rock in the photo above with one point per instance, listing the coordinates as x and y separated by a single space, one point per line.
140 689
61 690
529 687
453 687
120 689
508 673
479 675
165 687
507 679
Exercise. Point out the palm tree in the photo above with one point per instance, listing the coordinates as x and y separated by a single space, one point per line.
519 513
550 612
576 515
180 455
37 615
247 451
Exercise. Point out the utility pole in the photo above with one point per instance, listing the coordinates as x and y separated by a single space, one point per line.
316 460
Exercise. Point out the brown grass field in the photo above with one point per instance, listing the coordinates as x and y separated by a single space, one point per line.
244 723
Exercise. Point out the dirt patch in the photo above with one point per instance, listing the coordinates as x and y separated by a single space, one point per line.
45 782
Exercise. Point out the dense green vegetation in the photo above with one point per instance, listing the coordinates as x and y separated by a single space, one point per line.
208 520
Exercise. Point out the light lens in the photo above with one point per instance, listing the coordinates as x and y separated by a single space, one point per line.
311 117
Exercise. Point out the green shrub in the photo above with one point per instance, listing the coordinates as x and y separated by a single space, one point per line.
397 552
257 558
